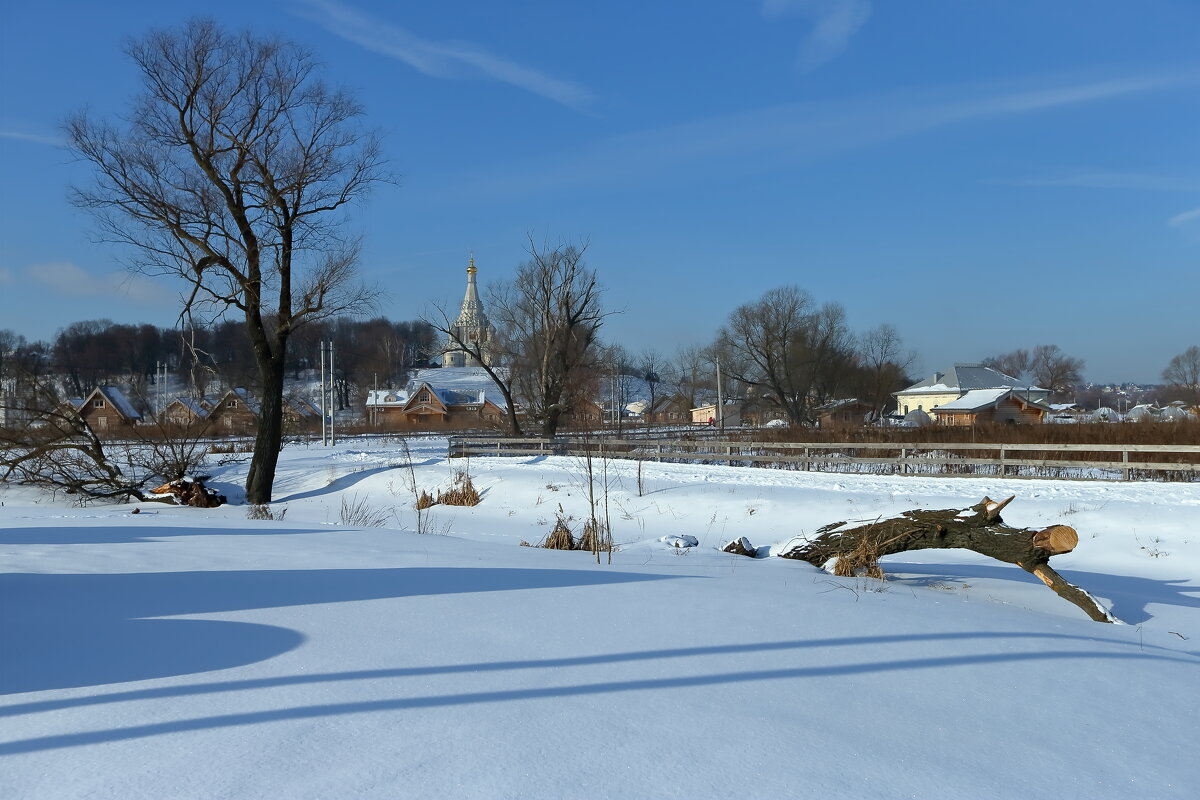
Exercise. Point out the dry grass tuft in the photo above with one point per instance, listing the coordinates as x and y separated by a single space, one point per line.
560 538
358 513
265 512
594 539
222 448
462 493
863 559
425 500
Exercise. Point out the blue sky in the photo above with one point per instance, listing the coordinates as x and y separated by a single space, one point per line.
983 175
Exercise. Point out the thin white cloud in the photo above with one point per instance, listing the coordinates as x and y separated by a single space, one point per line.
450 60
1187 218
36 138
67 278
1112 180
834 23
6 275
776 136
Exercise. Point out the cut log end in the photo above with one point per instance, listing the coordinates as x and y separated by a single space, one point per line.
1056 540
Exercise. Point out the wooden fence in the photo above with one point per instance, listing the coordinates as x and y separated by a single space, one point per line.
1069 461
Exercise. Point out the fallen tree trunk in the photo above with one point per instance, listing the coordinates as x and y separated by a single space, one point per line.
857 550
191 492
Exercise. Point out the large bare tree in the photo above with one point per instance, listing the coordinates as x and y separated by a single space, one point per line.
1055 370
795 353
884 364
548 319
230 173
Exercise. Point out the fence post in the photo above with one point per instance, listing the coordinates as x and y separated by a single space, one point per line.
1003 468
1125 459
903 460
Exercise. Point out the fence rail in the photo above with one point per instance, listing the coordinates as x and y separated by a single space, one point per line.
1070 461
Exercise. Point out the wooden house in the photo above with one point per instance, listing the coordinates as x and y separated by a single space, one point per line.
300 414
669 409
990 406
583 412
236 413
185 412
108 412
848 413
425 407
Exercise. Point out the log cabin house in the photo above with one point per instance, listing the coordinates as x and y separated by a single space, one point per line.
425 407
108 412
992 405
848 413
185 412
235 413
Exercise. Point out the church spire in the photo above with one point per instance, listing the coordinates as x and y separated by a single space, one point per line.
471 314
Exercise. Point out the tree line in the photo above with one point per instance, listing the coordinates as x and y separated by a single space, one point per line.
91 353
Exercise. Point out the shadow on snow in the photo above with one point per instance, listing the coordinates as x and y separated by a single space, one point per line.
70 630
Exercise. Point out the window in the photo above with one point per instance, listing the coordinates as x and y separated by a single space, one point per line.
424 398
97 404
231 404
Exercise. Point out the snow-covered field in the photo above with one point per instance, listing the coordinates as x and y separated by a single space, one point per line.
197 654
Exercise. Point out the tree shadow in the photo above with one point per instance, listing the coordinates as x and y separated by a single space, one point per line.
133 532
1127 596
73 630
870 665
348 481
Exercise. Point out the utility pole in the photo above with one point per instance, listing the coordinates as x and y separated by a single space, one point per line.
324 397
720 399
332 390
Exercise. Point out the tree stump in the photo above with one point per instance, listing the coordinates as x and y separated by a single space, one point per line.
741 547
857 550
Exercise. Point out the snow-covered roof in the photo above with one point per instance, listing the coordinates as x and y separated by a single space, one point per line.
245 396
965 377
462 388
974 400
835 405
120 402
193 405
386 397
983 398
459 378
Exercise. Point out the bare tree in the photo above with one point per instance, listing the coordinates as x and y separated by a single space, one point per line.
1183 371
1014 364
230 175
650 367
796 354
691 371
548 318
1054 370
885 362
